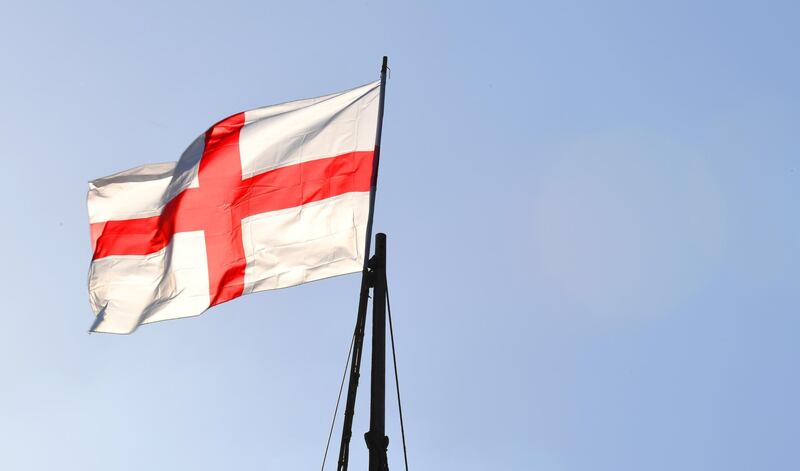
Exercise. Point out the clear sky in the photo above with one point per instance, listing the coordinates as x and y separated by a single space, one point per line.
594 235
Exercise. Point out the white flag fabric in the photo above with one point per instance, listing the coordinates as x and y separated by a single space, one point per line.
264 199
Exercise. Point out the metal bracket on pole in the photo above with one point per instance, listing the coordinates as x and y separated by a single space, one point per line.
378 446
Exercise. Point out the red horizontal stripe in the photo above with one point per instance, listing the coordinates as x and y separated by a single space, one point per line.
197 208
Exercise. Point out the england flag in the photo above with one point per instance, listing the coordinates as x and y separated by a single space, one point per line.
264 199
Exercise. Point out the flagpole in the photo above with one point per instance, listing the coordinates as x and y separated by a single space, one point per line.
367 280
355 368
377 441
376 159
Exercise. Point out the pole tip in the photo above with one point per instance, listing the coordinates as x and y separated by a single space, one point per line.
380 246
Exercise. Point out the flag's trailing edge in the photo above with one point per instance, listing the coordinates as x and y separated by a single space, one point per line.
264 199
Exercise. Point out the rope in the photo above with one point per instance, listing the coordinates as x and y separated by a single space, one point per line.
338 399
396 379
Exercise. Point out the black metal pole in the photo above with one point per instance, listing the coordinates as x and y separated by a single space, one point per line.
366 284
376 438
377 156
355 368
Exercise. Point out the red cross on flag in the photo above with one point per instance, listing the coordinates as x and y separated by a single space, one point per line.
264 199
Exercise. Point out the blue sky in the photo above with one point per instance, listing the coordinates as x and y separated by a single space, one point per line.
594 235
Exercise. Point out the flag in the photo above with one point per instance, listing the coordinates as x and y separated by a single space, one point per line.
264 199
